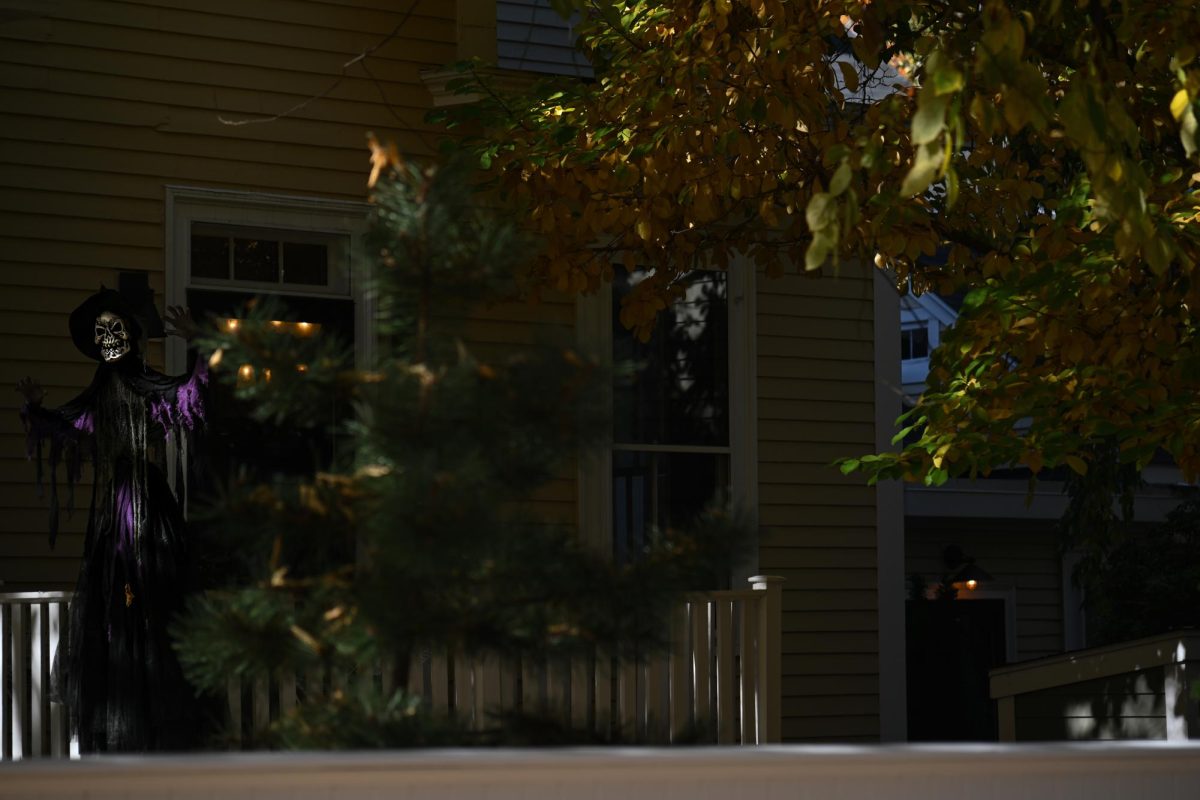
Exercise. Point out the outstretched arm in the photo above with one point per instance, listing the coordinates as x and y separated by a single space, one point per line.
31 390
74 417
178 401
181 323
63 429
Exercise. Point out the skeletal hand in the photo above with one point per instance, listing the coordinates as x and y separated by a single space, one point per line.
31 390
181 323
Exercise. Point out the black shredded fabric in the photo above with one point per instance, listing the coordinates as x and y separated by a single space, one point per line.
115 669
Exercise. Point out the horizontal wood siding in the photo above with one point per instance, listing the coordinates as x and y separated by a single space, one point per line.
103 104
815 352
1021 554
531 36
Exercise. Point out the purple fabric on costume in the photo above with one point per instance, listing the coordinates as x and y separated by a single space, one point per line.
86 423
189 399
186 408
161 412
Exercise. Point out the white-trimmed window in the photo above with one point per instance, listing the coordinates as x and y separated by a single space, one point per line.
922 320
671 452
269 259
917 340
226 247
683 423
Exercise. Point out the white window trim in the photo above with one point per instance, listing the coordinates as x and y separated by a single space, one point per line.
594 336
187 204
1074 616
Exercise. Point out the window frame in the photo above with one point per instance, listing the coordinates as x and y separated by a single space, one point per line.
595 490
339 279
264 212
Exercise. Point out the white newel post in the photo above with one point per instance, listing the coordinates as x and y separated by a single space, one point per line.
770 657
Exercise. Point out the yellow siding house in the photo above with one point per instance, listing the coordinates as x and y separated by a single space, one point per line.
135 133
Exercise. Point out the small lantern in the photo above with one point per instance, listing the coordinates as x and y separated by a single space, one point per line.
963 574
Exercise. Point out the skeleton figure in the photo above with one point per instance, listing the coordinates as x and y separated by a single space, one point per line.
111 337
117 673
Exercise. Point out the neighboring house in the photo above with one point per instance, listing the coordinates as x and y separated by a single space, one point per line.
134 140
1009 532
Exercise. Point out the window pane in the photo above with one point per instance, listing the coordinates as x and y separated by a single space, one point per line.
679 392
661 490
305 263
914 343
256 260
210 257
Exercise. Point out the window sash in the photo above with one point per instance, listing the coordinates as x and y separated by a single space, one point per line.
338 272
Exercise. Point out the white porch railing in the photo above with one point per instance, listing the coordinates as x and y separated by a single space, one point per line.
30 725
718 681
1140 689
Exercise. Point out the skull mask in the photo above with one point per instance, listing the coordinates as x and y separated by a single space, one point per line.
112 337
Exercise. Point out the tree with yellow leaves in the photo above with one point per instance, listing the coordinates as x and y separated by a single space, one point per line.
1039 156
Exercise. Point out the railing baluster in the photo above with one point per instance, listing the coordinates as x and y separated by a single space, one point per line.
581 694
260 706
314 682
725 678
287 692
420 674
681 708
630 717
531 686
21 698
603 704
233 697
38 701
657 718
439 682
702 664
487 687
60 728
558 680
747 648
8 715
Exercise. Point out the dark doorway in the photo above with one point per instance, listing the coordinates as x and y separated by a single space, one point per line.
951 646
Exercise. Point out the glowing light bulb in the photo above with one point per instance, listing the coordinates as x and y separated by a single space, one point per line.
971 584
231 324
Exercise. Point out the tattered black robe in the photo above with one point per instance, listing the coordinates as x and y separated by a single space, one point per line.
116 670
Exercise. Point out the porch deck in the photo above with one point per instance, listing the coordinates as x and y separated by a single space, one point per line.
1095 771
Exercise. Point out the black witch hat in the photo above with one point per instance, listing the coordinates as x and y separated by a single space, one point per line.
83 321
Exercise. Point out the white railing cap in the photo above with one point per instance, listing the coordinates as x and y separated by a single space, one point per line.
34 597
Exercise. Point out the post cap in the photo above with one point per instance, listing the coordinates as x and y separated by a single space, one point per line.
763 581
